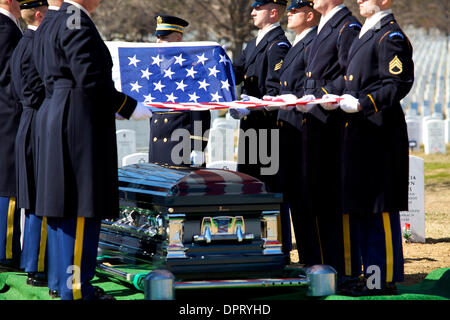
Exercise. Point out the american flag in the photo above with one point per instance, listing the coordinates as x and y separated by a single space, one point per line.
193 72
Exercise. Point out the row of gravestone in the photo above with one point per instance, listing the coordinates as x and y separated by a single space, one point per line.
432 131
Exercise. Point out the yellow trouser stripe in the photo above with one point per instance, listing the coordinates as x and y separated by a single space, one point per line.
320 241
389 249
10 228
78 251
42 246
347 248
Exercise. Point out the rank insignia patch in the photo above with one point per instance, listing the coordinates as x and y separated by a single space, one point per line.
395 66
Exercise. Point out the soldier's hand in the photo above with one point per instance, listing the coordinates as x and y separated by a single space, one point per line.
349 104
238 113
141 112
305 107
290 99
330 105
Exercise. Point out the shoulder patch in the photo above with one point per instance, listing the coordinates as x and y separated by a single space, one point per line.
284 44
355 25
396 35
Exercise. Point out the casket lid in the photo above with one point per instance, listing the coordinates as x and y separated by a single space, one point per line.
167 186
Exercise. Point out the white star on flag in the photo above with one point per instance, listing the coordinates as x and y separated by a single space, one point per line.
193 97
146 74
191 72
179 60
133 61
168 73
225 85
202 59
215 96
171 98
181 85
203 84
159 86
157 60
135 86
213 71
149 98
223 59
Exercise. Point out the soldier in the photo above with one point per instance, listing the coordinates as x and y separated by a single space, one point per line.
163 124
321 139
77 182
259 68
10 35
302 19
30 93
380 72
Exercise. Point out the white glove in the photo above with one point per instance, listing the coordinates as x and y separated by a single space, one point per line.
238 113
197 158
349 103
330 106
119 117
306 107
269 98
141 112
247 98
290 99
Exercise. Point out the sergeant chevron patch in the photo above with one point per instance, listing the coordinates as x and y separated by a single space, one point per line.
395 66
278 65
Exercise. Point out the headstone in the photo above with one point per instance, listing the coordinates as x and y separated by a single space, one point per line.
135 158
414 133
221 144
224 123
447 131
413 220
142 130
225 165
434 138
126 144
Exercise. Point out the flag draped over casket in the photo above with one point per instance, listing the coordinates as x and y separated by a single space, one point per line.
192 72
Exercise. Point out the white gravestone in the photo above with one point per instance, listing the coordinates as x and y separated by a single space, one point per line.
126 144
415 216
414 132
221 144
447 131
434 139
135 158
225 165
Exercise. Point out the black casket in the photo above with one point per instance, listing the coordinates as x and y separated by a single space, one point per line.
197 223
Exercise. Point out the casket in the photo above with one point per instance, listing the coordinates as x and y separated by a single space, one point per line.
197 223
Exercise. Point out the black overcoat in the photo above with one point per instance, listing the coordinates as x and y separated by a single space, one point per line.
10 36
375 159
77 151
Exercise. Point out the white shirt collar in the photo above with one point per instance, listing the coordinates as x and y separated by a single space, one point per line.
372 21
324 19
11 16
34 28
79 6
263 32
56 8
300 36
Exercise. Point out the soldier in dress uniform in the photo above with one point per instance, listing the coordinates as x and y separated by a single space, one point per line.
302 19
30 92
10 35
321 139
77 183
375 176
258 68
164 123
39 121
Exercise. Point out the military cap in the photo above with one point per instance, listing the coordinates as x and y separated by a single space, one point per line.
28 4
300 4
167 24
258 3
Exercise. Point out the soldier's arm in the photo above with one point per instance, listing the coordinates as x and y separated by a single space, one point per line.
239 68
396 71
88 67
275 57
